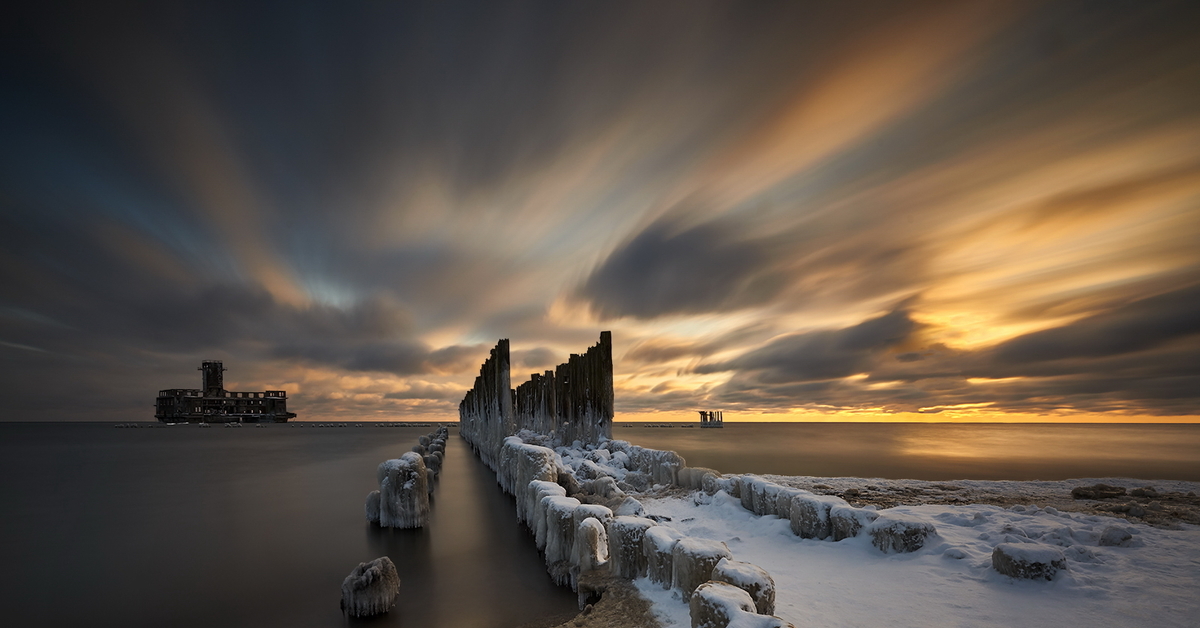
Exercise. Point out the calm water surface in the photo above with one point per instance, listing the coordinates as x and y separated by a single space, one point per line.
183 526
935 451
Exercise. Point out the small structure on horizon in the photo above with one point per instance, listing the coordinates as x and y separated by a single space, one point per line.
711 418
213 404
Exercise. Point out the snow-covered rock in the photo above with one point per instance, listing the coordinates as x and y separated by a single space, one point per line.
371 588
1114 536
658 545
895 532
626 556
692 562
403 492
1034 561
752 579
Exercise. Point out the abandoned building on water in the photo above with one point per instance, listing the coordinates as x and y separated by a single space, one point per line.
213 404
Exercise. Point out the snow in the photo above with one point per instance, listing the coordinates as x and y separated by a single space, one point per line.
1151 579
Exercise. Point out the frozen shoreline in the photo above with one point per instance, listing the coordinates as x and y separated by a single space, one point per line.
950 581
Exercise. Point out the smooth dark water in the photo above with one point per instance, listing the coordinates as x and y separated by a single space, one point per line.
935 451
184 526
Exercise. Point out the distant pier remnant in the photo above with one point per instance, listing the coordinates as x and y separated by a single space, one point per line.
712 418
213 404
574 402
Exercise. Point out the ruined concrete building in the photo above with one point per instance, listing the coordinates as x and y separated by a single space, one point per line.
213 404
574 402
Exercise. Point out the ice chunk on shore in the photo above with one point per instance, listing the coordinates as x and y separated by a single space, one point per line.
371 588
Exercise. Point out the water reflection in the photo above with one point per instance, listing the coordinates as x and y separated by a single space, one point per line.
937 451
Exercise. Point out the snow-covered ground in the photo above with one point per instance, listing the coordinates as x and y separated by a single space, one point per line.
1153 580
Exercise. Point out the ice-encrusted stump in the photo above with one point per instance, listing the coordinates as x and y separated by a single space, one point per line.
658 544
692 562
715 604
810 515
582 512
1028 560
720 605
894 532
752 579
520 463
748 493
693 477
541 517
783 501
403 492
560 536
846 521
591 549
527 505
371 588
373 507
626 556
662 466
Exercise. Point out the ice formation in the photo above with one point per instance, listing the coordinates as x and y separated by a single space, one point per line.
371 588
810 515
406 483
895 532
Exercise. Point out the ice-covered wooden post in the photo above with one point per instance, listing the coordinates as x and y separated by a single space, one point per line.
403 492
692 562
371 588
658 543
626 555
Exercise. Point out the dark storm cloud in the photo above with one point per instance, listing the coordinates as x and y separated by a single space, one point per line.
672 268
1142 324
821 355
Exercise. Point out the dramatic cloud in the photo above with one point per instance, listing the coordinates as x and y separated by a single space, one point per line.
961 210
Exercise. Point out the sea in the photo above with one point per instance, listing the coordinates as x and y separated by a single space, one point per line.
189 527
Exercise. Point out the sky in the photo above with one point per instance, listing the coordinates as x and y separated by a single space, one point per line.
828 211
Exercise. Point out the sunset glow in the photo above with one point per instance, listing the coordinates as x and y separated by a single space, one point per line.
944 211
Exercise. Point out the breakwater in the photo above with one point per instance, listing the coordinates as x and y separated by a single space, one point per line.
549 442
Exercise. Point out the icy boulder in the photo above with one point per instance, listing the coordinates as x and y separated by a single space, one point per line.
371 588
626 556
721 605
692 562
373 507
809 515
894 532
846 521
403 492
591 549
658 544
1028 560
750 578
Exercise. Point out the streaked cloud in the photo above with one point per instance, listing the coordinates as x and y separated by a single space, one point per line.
946 210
